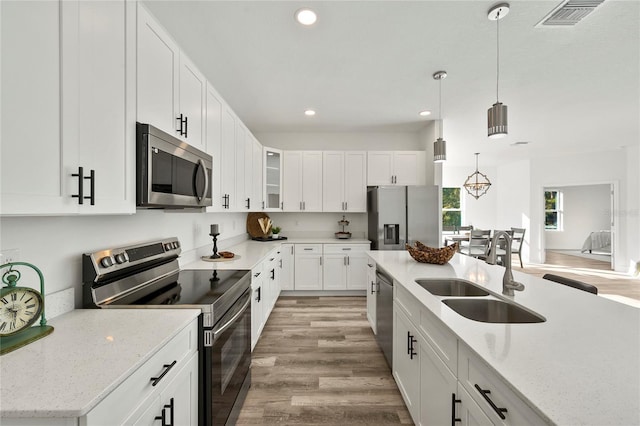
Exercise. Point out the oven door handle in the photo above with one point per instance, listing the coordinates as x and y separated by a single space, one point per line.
228 324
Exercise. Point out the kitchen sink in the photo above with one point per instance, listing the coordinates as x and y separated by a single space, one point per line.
451 287
491 310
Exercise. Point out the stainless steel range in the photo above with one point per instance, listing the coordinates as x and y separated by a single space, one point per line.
147 275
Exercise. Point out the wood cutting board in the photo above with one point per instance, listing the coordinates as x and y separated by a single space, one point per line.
253 227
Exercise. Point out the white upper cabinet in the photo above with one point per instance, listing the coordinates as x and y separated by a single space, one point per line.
240 194
214 145
67 72
344 187
192 106
396 168
303 181
272 179
171 90
228 158
158 71
257 202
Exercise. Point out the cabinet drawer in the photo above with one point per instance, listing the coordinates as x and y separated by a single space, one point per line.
344 248
138 386
443 341
308 248
407 303
473 373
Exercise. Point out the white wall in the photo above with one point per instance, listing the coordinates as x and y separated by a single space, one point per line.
585 209
383 141
513 200
56 244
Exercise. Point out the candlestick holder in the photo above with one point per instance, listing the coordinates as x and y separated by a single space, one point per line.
215 254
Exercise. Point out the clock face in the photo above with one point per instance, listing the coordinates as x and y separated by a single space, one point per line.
20 307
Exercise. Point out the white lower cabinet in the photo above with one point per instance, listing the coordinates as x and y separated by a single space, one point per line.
444 382
345 266
372 294
287 262
308 269
257 304
166 385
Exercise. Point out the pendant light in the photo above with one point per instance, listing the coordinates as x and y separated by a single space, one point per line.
440 145
477 184
497 114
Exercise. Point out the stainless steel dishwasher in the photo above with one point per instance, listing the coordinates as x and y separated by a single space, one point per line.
384 315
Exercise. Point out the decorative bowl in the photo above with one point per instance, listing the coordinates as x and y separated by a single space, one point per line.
437 256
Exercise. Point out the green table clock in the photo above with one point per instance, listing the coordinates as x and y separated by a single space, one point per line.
20 308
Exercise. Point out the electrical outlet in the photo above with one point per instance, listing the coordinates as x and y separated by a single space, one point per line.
9 255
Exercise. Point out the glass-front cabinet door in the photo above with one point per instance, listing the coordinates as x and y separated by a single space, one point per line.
272 179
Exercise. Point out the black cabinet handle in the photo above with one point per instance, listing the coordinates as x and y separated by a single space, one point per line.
273 274
248 203
80 176
372 287
485 395
166 407
186 126
92 185
166 367
259 294
411 350
454 401
180 123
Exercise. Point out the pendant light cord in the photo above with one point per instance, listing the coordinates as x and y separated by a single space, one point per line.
498 54
440 108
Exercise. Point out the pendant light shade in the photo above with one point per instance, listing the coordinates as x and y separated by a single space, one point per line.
477 184
497 120
440 145
497 125
439 150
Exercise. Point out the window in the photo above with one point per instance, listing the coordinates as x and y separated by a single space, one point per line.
553 210
451 210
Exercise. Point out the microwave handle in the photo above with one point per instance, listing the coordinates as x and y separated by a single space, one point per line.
206 180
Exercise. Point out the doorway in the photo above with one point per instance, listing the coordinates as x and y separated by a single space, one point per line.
580 220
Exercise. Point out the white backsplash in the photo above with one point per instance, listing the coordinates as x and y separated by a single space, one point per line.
319 225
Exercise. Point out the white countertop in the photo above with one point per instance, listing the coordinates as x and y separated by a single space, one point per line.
89 353
250 253
581 366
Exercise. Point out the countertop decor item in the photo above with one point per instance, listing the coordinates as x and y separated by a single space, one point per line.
426 254
275 232
257 224
343 235
214 233
20 309
224 256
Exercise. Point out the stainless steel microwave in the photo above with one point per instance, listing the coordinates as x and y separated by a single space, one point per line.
170 173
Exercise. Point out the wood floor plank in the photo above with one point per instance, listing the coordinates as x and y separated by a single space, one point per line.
317 363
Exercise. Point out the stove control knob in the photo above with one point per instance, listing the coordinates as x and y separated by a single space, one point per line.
174 245
106 262
167 246
120 258
177 244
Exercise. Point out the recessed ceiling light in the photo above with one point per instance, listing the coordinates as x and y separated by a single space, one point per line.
306 16
424 113
309 112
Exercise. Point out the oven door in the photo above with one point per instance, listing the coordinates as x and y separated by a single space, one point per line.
227 363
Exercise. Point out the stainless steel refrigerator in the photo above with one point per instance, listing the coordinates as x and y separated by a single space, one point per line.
403 214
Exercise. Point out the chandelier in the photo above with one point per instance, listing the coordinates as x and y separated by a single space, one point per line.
477 184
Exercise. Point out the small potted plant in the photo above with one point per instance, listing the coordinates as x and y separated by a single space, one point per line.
275 231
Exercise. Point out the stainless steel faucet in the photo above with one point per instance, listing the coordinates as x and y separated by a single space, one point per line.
508 283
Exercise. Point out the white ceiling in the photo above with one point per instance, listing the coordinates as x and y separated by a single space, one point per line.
367 66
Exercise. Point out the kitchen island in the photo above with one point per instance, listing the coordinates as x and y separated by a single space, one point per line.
580 366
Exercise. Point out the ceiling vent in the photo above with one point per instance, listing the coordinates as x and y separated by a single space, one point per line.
569 13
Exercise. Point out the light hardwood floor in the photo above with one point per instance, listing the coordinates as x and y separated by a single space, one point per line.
590 271
317 363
